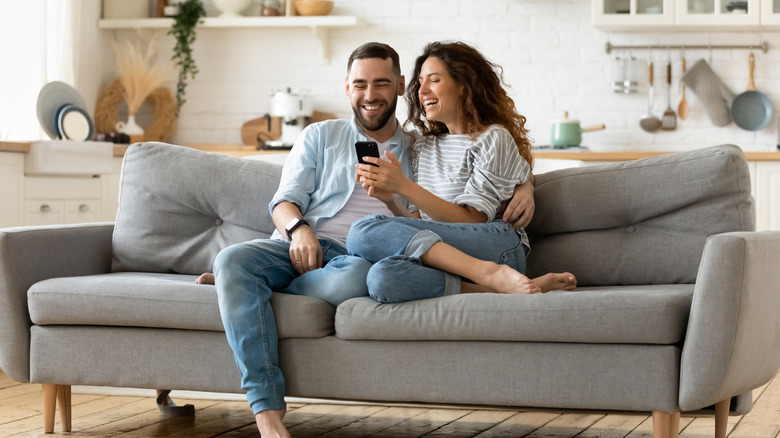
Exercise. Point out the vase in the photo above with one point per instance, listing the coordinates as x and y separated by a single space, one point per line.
131 128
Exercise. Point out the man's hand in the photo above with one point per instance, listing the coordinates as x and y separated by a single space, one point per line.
305 250
520 209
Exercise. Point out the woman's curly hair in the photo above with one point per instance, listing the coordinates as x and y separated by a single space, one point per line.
484 102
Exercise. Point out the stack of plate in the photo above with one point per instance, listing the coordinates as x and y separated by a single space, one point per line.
62 113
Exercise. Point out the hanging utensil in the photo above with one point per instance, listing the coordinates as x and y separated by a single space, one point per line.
669 119
682 108
751 110
649 122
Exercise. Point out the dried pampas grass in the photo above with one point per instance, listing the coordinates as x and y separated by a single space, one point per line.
161 100
137 73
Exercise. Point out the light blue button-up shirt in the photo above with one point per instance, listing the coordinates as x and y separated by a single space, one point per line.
319 174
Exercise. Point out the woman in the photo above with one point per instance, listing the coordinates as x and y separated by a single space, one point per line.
473 152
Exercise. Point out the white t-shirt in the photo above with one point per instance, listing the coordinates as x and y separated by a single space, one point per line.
479 173
358 205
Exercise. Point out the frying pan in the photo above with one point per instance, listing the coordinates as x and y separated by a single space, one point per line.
751 110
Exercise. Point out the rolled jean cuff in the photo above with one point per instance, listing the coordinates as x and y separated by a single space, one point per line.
259 406
451 284
421 243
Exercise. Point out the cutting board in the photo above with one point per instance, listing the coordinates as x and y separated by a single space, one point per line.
259 128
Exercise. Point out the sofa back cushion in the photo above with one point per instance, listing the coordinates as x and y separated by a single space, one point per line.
178 207
639 222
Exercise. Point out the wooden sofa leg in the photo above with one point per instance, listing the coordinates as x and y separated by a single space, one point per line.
666 424
49 406
722 418
63 399
51 394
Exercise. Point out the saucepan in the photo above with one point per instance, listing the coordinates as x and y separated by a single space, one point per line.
567 132
751 110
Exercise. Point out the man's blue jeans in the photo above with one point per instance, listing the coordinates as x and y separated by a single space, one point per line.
245 274
395 244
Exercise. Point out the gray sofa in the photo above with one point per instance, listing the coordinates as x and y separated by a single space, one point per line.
676 308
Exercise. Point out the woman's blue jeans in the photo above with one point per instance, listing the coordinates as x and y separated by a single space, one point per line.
245 274
395 245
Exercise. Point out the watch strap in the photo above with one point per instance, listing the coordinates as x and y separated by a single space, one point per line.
297 223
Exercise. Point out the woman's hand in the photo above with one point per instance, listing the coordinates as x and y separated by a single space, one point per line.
375 192
521 207
386 175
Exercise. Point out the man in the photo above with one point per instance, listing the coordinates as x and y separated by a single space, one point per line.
317 200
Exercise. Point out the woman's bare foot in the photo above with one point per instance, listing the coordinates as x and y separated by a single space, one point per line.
270 425
504 280
556 281
207 278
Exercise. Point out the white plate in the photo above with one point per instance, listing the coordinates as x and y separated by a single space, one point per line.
73 123
51 98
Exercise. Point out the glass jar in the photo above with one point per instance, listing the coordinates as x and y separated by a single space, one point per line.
272 8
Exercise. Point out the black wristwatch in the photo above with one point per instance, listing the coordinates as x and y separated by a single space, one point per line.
293 225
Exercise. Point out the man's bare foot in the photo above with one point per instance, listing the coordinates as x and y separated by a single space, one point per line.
270 425
556 281
504 280
207 278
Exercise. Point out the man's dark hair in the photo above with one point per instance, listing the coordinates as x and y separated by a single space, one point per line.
376 50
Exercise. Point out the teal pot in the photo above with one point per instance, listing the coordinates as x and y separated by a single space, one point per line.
568 132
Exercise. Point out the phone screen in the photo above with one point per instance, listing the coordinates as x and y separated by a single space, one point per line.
366 149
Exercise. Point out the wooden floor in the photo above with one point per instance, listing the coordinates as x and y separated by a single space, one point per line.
126 416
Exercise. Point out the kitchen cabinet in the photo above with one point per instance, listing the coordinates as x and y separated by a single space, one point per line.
770 13
11 194
718 13
110 191
61 200
685 15
767 195
628 13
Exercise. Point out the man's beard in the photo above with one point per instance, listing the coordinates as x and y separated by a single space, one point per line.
381 121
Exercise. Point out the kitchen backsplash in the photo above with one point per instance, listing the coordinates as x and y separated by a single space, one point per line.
553 59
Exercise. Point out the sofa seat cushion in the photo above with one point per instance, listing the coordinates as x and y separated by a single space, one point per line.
614 314
161 301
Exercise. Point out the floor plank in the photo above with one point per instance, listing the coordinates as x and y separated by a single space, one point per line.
471 424
566 426
519 424
374 423
84 416
423 423
613 426
337 419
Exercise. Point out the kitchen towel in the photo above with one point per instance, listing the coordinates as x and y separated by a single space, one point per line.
711 91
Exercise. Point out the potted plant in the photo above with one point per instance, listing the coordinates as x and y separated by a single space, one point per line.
183 30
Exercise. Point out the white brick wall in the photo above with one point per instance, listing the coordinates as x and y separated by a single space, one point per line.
553 59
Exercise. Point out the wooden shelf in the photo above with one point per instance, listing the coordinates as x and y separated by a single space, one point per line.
218 22
318 25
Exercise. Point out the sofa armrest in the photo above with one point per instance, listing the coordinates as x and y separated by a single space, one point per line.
733 340
31 254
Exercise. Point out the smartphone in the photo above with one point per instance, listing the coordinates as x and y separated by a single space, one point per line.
366 149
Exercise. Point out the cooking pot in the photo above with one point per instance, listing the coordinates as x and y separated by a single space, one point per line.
567 132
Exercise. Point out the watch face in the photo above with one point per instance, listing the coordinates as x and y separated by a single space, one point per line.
293 225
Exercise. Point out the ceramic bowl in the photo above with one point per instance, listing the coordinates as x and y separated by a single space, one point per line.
231 8
313 7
